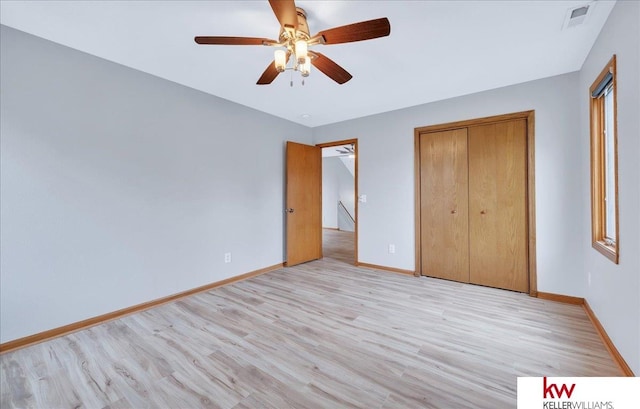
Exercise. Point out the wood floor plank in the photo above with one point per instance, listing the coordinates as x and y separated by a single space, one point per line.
320 335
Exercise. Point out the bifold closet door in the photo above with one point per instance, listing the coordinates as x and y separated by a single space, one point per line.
498 205
444 218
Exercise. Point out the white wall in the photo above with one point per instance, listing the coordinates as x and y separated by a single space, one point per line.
614 292
350 163
118 187
386 174
337 185
329 195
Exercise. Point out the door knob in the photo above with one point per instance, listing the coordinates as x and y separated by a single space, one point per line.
483 212
289 210
454 211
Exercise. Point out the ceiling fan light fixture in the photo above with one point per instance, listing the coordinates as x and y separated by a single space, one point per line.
305 68
280 58
301 51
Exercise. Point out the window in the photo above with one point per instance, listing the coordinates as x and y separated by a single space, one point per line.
604 166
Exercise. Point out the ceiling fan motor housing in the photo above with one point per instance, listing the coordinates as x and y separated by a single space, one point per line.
301 32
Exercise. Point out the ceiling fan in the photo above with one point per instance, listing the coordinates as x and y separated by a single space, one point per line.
294 40
346 149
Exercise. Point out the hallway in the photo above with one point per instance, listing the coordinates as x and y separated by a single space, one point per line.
339 245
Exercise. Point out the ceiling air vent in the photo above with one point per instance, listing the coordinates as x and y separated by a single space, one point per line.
577 16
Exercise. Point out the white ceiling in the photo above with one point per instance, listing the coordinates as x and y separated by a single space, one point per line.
436 50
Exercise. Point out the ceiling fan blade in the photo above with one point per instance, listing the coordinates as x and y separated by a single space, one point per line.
270 73
217 40
364 30
330 68
285 11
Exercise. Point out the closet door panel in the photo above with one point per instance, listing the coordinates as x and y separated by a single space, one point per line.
444 228
498 205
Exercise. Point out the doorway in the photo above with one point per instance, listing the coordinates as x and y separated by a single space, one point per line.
339 200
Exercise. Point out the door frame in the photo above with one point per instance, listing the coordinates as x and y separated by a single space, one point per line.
529 116
355 183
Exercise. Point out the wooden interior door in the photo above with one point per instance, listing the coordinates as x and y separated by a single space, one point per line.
498 255
444 205
303 203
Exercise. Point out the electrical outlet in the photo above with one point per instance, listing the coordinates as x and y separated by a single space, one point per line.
227 257
392 249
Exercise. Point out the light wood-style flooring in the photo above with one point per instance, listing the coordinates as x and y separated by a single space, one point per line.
320 335
339 245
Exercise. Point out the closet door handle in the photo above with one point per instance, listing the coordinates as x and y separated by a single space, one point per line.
483 212
454 211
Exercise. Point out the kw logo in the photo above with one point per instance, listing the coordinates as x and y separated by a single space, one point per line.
548 390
